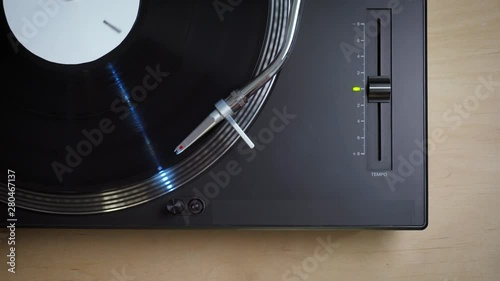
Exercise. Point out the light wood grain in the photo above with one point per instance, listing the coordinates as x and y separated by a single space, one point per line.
462 242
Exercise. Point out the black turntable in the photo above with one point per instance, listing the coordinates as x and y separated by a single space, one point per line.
196 114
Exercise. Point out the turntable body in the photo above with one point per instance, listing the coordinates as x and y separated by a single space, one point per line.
340 134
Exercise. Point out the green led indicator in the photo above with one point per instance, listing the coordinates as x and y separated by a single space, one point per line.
356 89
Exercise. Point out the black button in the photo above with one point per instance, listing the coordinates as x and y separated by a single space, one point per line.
175 206
196 206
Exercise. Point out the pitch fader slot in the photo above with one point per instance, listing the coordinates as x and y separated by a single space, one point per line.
379 90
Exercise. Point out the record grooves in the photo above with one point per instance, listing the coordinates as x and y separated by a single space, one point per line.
190 64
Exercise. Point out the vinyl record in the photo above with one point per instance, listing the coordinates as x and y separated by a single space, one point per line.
90 131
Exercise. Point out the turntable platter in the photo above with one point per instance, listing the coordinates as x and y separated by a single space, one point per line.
106 126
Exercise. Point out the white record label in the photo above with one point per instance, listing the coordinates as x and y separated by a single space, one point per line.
71 31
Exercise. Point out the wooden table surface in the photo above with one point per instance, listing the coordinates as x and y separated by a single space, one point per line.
462 242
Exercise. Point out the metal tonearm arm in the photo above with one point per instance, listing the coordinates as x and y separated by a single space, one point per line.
226 108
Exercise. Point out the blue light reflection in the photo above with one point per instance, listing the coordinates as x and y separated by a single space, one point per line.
135 115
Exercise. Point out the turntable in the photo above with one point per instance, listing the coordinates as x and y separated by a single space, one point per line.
201 114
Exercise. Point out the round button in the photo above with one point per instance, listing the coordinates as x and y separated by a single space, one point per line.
175 206
196 206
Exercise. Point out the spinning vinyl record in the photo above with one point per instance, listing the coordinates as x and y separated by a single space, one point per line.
98 93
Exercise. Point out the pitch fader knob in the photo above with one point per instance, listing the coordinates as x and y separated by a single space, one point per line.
379 89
